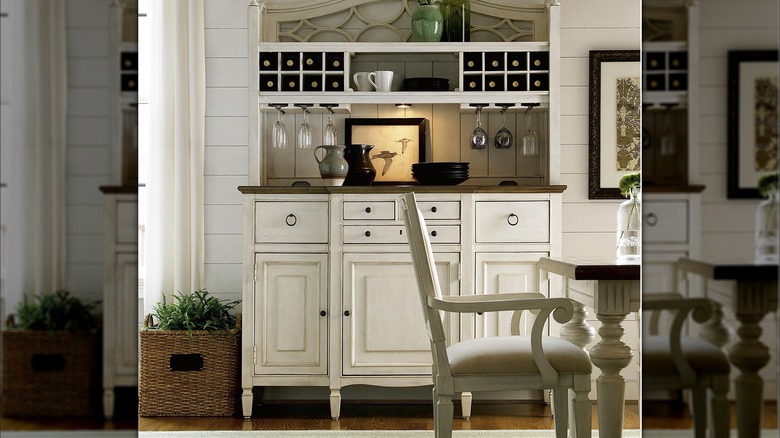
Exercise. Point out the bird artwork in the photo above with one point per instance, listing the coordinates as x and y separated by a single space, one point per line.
388 157
405 143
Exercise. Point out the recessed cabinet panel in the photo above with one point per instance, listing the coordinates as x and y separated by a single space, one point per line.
665 222
126 222
291 222
517 221
384 330
126 302
290 327
502 273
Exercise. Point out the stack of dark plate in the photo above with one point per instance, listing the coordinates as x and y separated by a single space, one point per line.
426 84
440 174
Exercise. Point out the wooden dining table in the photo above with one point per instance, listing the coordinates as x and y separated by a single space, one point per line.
750 290
612 289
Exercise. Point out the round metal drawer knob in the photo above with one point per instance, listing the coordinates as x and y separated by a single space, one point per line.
291 220
434 233
323 313
651 219
346 313
512 219
434 209
368 209
368 233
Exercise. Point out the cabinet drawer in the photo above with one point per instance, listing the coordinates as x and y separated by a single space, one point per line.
665 222
291 222
432 210
379 210
510 222
397 234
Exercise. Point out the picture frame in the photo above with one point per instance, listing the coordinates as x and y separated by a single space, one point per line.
752 120
398 143
614 134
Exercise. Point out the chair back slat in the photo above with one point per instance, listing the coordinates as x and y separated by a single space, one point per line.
427 278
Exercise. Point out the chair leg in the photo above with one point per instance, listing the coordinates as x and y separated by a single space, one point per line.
699 412
560 398
443 411
581 416
719 407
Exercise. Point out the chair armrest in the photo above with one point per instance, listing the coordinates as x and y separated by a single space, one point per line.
700 308
563 309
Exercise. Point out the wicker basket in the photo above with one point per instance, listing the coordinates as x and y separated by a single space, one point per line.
185 377
51 374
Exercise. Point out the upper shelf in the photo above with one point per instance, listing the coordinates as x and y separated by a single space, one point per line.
401 97
406 47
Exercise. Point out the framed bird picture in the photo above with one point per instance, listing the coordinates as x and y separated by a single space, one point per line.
398 143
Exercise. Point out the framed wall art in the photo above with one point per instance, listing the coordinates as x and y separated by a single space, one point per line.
398 143
614 119
752 119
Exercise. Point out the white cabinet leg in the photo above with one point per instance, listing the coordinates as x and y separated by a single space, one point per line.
108 403
335 403
465 404
246 402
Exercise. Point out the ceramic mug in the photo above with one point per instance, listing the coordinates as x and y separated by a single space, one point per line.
381 80
361 81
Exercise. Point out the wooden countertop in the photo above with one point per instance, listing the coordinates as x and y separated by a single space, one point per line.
119 189
591 269
378 189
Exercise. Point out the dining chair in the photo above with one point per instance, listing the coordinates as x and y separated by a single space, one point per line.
673 361
497 363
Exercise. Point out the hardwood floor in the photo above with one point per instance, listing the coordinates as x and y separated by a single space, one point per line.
377 416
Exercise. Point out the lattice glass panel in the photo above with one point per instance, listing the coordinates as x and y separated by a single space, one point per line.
390 21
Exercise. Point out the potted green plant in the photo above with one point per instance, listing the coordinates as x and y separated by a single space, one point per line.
190 359
51 353
629 219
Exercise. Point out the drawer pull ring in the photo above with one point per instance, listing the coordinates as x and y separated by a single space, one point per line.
346 313
512 219
651 219
434 209
368 233
291 220
434 233
368 209
323 313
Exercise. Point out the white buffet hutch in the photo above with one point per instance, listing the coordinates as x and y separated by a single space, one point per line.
329 294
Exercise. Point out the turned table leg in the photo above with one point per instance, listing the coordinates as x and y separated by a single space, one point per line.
754 299
579 333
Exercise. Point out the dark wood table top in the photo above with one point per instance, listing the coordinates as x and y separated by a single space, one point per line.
591 268
729 270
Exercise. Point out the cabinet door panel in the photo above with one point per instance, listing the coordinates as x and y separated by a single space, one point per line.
498 273
126 302
385 333
290 334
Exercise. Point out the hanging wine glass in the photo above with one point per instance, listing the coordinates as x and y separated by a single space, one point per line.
668 146
479 138
530 140
331 133
304 132
503 139
279 131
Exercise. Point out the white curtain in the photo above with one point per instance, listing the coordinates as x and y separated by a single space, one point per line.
177 97
42 111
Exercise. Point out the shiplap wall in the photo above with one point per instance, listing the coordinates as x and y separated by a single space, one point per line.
87 161
727 225
588 226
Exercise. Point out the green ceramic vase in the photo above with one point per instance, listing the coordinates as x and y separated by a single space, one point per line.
427 23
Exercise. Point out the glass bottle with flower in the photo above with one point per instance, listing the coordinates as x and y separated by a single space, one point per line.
629 219
767 220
